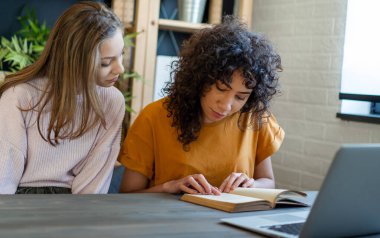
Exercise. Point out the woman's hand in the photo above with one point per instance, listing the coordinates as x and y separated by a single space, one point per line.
235 180
192 184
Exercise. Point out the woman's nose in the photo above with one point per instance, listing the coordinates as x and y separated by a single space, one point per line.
118 68
225 104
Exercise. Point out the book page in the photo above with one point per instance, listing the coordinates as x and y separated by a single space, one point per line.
228 202
262 193
226 197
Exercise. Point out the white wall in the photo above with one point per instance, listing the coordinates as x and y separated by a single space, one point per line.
309 35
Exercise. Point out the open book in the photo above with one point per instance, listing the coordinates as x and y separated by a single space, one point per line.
248 199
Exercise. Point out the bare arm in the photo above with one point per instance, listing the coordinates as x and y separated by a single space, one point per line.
264 177
135 182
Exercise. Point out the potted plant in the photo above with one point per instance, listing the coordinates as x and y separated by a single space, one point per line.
25 46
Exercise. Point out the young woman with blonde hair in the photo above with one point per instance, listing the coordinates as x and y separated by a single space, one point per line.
60 117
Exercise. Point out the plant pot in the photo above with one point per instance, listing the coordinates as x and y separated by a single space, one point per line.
191 10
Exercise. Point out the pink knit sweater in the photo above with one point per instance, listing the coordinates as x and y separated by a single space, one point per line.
84 164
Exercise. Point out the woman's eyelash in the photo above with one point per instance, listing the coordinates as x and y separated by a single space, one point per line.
108 64
240 98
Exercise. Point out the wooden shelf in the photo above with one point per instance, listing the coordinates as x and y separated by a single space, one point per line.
180 26
146 20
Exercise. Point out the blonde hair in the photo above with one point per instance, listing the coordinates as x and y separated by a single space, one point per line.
70 62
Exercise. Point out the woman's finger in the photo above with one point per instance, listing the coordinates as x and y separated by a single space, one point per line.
239 181
230 181
215 191
249 183
203 182
187 189
221 187
191 181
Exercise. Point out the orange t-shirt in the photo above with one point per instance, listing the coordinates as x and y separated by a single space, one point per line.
152 149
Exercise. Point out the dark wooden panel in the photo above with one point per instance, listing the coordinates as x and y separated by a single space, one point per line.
112 215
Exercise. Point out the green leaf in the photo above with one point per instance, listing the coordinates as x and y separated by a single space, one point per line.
128 39
25 46
18 60
127 96
129 108
132 75
31 49
132 35
3 53
33 25
15 44
5 42
38 48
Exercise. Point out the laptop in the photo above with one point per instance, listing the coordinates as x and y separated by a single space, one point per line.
347 205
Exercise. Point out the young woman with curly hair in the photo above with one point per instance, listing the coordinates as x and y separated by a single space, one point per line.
213 132
61 116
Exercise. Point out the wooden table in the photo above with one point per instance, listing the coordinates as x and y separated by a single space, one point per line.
115 215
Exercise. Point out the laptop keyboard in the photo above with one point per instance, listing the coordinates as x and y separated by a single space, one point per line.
293 228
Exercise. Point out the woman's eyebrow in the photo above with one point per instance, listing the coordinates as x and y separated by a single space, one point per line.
112 56
225 84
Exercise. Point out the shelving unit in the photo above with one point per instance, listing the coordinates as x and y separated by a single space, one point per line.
180 26
148 23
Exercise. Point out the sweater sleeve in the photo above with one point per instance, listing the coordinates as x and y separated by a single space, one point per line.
13 141
94 174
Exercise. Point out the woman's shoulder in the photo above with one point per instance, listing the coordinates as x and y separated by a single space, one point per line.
155 110
252 120
154 115
270 126
269 118
26 91
156 105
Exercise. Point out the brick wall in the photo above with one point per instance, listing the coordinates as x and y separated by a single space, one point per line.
309 35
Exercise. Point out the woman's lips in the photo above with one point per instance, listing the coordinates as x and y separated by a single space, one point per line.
217 115
113 80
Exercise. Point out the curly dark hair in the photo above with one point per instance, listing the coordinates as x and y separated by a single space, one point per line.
212 55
